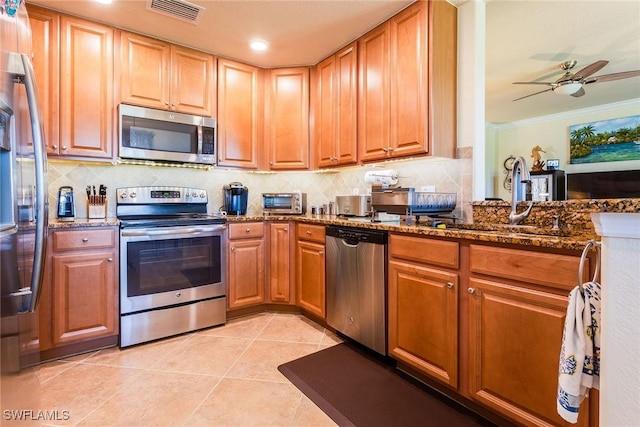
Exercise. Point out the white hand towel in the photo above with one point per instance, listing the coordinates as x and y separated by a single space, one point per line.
579 367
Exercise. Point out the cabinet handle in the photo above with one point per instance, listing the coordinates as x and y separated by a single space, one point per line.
449 285
390 148
166 103
308 233
472 290
386 150
54 146
233 249
64 147
286 229
109 259
85 239
248 230
320 253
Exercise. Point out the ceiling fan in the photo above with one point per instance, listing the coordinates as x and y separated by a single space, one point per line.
573 84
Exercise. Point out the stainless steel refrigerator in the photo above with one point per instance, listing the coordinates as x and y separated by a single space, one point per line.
23 215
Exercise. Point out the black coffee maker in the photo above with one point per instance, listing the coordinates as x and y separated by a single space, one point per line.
235 197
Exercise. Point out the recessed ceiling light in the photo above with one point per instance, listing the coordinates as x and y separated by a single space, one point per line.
259 45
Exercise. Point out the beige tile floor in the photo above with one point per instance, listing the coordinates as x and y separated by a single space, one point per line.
222 376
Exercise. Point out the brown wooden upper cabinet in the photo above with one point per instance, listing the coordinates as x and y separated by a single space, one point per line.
239 114
335 91
45 35
287 118
87 116
161 75
407 84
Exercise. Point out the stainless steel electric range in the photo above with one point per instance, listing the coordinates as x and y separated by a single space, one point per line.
172 263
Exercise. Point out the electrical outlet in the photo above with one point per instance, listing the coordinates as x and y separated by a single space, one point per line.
355 191
428 189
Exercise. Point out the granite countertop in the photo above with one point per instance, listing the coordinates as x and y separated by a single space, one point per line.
55 223
463 231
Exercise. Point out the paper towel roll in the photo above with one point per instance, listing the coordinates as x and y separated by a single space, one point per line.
384 177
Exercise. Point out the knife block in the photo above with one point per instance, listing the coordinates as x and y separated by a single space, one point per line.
97 207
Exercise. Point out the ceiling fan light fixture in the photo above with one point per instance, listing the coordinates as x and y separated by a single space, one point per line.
568 88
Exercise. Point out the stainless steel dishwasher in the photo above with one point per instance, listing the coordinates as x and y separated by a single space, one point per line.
356 284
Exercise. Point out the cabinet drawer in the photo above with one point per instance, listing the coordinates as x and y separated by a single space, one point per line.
424 250
83 239
528 266
313 233
246 230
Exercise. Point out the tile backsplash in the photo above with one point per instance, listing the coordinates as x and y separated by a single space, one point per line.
447 175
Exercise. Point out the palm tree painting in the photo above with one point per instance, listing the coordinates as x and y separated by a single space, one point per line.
605 141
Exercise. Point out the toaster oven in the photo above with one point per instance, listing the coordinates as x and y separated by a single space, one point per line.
294 203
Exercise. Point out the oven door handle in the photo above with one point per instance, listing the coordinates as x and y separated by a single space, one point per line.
172 231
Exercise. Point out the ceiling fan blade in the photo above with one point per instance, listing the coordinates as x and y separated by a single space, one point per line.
614 76
579 93
589 69
542 91
534 83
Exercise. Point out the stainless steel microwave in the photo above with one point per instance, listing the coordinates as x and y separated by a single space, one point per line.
294 203
149 134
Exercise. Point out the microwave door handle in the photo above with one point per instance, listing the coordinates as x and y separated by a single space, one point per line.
40 162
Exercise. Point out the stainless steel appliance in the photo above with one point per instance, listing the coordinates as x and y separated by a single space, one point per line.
148 134
172 263
294 203
356 285
66 204
235 197
354 205
548 185
23 212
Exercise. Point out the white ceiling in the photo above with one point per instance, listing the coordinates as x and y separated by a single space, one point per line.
525 40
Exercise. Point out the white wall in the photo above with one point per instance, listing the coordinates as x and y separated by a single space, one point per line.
552 134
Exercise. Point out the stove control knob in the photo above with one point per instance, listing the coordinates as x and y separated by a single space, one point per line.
194 194
133 195
123 195
202 195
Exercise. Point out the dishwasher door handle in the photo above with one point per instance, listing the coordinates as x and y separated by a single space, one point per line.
349 245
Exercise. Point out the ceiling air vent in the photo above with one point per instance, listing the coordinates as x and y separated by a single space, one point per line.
181 10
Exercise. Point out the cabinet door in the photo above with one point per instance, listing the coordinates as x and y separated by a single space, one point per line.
246 273
84 296
192 81
86 89
287 118
145 71
423 319
310 277
514 347
409 88
325 112
347 105
373 96
239 114
280 277
335 112
45 35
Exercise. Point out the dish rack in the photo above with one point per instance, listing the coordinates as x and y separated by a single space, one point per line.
407 201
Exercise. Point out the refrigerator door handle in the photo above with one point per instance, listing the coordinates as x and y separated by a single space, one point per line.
41 202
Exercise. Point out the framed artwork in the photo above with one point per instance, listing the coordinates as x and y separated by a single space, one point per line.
605 141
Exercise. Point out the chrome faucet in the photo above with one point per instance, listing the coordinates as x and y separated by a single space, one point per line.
519 165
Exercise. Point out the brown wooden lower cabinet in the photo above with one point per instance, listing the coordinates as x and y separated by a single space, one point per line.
246 262
79 303
281 267
423 319
514 347
310 269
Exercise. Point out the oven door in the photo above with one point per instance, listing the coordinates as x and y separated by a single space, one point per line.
165 266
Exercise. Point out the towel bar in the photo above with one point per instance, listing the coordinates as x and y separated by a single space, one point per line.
596 245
